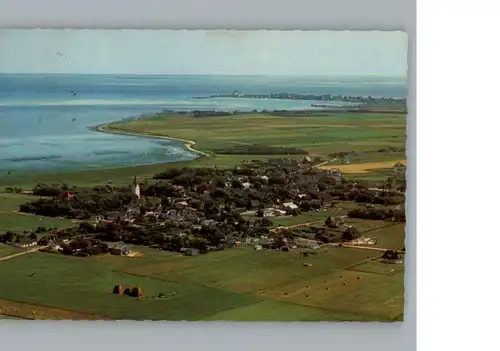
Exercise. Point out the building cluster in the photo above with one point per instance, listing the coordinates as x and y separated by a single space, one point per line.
197 210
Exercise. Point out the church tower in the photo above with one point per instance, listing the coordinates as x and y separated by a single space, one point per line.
136 190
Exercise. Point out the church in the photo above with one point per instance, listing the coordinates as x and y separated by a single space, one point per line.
136 190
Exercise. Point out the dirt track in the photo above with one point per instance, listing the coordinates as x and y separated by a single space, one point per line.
6 258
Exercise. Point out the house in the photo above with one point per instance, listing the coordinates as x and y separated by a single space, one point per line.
67 195
350 233
208 222
271 212
290 205
52 245
307 243
113 216
331 222
250 240
190 251
118 249
307 159
249 213
363 241
173 215
391 256
346 160
97 218
254 203
335 172
133 210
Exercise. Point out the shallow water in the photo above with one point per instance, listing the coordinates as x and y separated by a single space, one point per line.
45 119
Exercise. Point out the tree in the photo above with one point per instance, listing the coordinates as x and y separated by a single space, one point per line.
266 222
305 206
236 184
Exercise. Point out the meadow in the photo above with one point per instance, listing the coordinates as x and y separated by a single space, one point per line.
12 220
234 284
226 284
319 135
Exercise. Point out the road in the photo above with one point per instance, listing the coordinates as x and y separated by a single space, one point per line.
296 225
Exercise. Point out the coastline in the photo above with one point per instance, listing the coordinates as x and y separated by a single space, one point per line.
188 144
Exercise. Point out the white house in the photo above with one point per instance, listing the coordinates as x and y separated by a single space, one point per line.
290 205
271 212
25 243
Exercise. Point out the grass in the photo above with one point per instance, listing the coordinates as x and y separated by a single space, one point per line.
234 284
12 201
390 237
377 297
378 267
20 221
277 311
7 250
317 134
86 285
245 270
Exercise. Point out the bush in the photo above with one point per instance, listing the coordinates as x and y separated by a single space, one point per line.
46 190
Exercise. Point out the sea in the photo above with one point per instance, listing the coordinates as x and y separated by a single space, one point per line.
46 120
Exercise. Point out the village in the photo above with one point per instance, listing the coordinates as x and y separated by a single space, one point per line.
195 211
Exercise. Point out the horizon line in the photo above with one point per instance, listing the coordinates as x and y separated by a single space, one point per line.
208 74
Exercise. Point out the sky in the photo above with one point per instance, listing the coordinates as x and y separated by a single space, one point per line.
354 53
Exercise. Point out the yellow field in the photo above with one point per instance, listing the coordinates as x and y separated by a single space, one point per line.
365 167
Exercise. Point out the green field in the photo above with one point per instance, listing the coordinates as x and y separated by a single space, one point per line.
320 135
7 250
209 287
392 237
16 221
